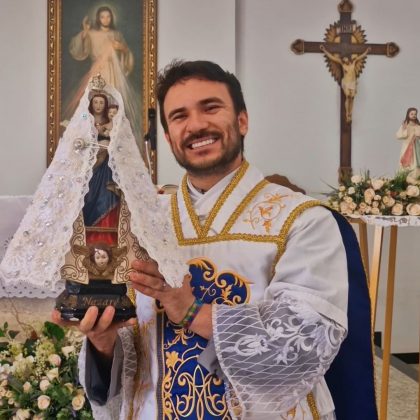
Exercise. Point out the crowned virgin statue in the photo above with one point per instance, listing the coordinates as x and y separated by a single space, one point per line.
95 210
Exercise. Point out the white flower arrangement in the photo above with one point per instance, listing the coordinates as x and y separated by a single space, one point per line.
38 377
362 195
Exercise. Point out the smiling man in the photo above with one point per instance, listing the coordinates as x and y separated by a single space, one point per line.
261 318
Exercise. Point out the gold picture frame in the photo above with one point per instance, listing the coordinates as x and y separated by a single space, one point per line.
134 21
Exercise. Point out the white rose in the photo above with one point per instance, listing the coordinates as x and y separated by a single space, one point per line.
375 211
23 414
388 201
43 402
356 179
78 402
27 387
54 359
68 350
413 191
341 188
397 209
413 209
353 206
368 209
344 207
411 178
44 384
375 204
377 184
348 199
351 190
377 197
369 194
52 374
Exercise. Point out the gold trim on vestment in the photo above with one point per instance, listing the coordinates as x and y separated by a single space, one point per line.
312 406
202 231
297 211
239 210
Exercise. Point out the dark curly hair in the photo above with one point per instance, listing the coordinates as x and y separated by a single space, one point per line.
180 70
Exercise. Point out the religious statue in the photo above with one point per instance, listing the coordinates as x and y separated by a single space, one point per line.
409 134
97 265
349 76
95 210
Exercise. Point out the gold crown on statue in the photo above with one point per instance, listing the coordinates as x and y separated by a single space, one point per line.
97 82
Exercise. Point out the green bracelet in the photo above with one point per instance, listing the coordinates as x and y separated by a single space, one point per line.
191 313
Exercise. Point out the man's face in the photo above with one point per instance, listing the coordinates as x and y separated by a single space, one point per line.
204 131
105 18
98 104
412 115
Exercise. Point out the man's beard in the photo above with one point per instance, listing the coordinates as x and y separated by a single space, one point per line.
217 165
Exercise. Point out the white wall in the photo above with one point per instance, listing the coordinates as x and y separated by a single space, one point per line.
292 100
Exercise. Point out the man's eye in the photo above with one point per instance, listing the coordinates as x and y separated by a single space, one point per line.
177 117
214 107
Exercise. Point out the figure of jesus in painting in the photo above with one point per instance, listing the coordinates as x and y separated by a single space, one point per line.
409 134
349 78
110 56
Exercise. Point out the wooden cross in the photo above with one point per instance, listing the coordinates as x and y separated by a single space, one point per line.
345 48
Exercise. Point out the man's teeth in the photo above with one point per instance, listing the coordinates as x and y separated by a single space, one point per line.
202 143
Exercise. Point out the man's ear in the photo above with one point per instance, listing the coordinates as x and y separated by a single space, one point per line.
243 122
168 139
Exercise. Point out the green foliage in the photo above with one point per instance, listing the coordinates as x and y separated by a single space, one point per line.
38 375
362 195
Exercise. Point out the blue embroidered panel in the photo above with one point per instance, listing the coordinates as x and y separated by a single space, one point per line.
188 390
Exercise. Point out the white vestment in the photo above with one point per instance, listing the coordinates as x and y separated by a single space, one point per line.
273 264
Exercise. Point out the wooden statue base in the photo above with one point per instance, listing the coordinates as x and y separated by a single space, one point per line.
75 300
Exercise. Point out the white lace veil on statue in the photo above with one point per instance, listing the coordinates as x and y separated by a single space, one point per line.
38 248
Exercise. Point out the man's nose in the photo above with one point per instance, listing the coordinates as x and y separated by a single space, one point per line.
196 121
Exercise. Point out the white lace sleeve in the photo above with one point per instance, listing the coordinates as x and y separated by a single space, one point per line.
273 353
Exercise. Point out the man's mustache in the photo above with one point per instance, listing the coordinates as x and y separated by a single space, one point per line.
199 134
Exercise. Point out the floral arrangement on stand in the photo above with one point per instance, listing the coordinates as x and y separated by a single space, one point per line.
362 195
38 376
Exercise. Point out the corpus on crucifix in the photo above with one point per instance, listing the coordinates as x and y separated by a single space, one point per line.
349 77
346 50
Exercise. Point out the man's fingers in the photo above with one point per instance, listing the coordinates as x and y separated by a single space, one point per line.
89 320
105 320
142 278
148 291
149 267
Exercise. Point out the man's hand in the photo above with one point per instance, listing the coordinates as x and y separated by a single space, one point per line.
176 301
148 280
102 334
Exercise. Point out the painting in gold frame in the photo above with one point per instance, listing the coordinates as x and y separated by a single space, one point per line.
126 55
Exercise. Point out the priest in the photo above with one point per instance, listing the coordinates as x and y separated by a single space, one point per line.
273 318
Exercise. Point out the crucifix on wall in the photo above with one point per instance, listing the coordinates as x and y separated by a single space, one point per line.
345 50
